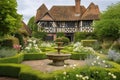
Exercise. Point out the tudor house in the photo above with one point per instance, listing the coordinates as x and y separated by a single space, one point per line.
66 19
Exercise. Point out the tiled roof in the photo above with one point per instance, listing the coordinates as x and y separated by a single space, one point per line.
42 10
67 13
92 13
26 28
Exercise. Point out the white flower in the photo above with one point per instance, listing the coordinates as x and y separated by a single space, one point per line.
92 64
114 77
71 65
86 77
35 45
34 41
29 40
77 75
94 61
74 65
109 73
81 76
27 48
30 44
99 63
106 66
98 57
64 73
65 65
103 61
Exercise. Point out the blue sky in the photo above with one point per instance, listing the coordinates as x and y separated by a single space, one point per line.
28 8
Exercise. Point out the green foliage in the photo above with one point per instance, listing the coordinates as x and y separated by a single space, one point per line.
32 25
112 12
79 56
108 27
34 56
9 70
9 41
88 43
40 35
10 20
7 52
65 40
60 34
84 35
14 59
116 46
20 37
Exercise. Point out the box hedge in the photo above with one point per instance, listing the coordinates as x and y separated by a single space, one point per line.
34 56
9 70
14 59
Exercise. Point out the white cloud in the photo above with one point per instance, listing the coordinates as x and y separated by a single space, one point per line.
28 7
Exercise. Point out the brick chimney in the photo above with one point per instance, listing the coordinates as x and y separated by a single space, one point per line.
77 6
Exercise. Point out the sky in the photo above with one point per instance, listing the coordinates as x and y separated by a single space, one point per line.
28 8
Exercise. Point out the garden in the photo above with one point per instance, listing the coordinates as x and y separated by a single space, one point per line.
98 50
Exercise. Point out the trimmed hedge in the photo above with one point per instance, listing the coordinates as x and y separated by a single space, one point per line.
9 70
79 56
24 72
34 56
15 59
89 43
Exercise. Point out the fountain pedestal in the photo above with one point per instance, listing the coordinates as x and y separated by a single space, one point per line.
58 59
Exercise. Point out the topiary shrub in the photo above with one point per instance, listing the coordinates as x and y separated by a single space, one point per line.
60 34
65 40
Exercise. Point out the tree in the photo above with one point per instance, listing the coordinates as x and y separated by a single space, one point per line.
10 20
32 24
109 25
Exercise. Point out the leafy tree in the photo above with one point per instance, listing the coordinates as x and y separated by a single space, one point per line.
109 25
32 24
10 20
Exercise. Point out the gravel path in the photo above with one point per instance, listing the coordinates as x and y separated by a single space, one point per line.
44 65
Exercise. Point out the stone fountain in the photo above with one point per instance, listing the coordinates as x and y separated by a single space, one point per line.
58 58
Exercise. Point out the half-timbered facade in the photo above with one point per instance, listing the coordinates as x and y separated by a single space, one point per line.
67 19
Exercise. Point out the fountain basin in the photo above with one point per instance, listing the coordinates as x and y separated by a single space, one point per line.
58 59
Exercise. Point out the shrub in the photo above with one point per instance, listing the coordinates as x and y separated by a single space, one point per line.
9 70
88 43
65 40
60 34
34 56
7 52
40 35
79 56
20 37
14 59
9 41
84 35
